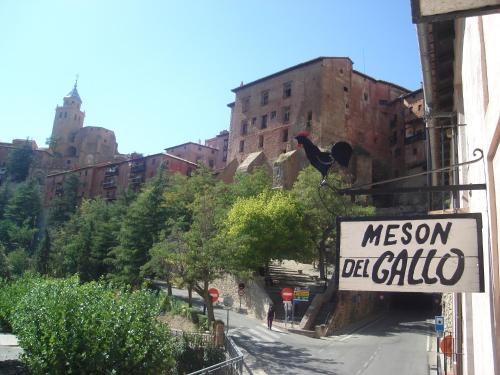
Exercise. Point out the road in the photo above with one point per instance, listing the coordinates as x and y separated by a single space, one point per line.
395 343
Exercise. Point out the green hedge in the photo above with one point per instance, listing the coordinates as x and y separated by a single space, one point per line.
11 292
69 328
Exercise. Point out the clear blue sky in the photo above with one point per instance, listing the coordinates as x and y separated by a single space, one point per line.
160 73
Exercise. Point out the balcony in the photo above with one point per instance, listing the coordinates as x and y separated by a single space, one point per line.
109 184
59 190
415 138
138 167
111 171
136 179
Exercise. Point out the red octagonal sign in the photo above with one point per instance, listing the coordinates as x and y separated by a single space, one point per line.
287 294
214 293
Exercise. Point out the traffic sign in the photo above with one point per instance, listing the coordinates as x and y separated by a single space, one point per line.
439 324
214 293
228 301
241 286
287 294
241 292
301 294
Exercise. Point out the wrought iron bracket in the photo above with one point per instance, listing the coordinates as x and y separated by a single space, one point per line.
366 189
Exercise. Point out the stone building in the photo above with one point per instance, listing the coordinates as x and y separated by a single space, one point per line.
325 97
74 145
107 180
196 153
221 143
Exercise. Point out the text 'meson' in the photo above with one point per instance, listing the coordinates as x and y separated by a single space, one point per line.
437 253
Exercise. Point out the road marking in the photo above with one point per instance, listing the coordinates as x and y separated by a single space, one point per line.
360 328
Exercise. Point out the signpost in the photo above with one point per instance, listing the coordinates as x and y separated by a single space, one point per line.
422 253
214 294
300 294
228 303
241 291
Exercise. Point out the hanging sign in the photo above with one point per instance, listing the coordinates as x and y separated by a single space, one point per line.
427 253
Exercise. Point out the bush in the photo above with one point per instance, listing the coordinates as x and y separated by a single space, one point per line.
68 328
10 295
192 354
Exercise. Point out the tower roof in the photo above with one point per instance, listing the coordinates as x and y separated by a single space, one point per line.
74 93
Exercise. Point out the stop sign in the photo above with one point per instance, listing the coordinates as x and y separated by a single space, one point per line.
214 293
287 294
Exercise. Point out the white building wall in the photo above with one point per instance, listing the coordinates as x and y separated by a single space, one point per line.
477 86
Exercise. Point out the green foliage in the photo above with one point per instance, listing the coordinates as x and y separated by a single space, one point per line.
42 255
4 265
140 229
321 206
192 354
11 292
19 262
19 162
247 185
83 243
69 328
268 226
65 205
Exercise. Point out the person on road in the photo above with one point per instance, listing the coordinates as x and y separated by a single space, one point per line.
270 316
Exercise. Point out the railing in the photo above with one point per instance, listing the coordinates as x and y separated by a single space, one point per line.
136 168
234 365
206 338
108 184
136 180
414 138
111 171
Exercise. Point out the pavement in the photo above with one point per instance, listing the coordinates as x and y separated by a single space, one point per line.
9 347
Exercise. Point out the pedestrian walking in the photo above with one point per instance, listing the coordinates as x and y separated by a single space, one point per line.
270 316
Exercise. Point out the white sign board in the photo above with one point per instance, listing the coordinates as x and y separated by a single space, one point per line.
438 253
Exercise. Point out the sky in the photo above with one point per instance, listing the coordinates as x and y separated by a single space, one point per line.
160 72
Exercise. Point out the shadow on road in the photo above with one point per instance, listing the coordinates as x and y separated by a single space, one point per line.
279 358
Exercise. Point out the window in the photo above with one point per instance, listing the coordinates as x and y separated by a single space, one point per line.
242 145
211 163
346 89
212 152
65 114
287 90
365 95
254 120
263 123
414 151
397 152
261 141
153 161
309 119
60 114
273 115
284 135
264 97
286 114
245 104
420 107
244 128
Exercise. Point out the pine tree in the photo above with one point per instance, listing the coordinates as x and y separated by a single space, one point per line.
65 205
19 162
42 256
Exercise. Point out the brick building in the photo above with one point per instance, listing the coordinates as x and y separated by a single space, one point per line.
324 96
208 154
107 180
221 143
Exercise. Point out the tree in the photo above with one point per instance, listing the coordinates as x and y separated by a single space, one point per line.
19 262
4 264
250 184
200 255
320 207
19 162
82 245
63 206
42 255
268 226
141 227
18 227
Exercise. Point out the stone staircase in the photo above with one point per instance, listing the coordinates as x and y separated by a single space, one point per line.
281 277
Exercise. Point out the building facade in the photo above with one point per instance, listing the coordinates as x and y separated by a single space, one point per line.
221 143
325 97
196 153
461 71
108 180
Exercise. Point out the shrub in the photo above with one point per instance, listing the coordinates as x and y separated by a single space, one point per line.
68 328
192 354
10 295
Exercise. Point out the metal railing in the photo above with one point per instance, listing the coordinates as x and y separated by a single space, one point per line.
233 365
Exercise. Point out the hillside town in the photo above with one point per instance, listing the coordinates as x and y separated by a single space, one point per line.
248 252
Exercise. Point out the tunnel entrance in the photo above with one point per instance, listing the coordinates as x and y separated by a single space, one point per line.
425 302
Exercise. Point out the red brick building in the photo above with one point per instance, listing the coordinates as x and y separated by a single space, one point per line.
221 143
325 97
107 180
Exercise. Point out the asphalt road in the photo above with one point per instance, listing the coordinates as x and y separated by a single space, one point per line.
394 343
